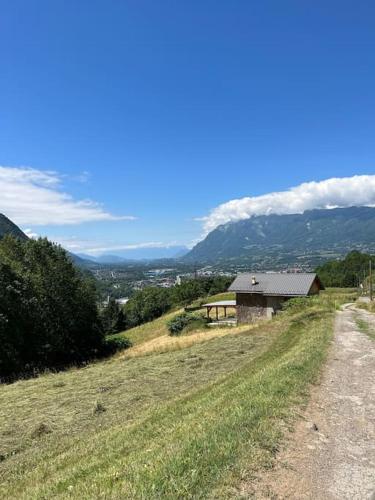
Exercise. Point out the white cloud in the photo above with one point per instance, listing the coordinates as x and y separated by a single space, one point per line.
30 233
95 248
31 196
335 192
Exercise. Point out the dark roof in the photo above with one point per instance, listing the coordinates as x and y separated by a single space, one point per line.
294 284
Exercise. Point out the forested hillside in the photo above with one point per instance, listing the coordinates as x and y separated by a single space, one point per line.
348 272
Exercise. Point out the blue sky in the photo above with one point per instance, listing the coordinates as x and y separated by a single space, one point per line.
163 111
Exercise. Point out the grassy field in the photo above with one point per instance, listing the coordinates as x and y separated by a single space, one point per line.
195 422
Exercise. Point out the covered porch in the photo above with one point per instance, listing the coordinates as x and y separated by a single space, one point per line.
223 306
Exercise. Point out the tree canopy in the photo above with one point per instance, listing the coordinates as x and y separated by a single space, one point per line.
48 313
348 272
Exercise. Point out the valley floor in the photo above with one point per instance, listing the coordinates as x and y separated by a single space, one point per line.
331 453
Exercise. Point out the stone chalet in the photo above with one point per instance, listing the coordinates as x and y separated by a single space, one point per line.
263 294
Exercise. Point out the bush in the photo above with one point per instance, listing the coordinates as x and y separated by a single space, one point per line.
115 344
297 304
185 321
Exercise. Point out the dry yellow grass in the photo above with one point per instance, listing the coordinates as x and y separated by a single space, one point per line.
148 331
166 343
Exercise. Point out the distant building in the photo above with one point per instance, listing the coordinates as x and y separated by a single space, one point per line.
263 294
122 301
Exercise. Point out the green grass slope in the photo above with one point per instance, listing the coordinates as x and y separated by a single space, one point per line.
193 423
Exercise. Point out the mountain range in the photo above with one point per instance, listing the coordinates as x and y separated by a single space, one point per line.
260 242
136 254
274 241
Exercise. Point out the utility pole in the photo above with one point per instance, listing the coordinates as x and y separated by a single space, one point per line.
370 284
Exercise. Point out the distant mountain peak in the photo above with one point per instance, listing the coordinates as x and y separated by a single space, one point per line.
9 227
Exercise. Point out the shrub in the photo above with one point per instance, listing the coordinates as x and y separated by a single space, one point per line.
297 304
185 321
115 344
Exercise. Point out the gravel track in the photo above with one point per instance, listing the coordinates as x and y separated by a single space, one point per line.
331 453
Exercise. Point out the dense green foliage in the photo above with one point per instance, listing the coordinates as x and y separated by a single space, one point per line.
48 313
152 302
181 322
348 272
114 344
112 318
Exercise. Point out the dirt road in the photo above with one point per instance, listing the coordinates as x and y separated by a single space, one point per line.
331 454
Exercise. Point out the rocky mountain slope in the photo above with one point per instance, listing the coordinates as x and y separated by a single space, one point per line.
275 240
8 227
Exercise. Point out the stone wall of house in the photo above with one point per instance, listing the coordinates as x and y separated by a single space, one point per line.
250 307
253 307
274 304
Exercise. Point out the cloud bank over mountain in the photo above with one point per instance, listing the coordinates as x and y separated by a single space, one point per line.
330 193
34 197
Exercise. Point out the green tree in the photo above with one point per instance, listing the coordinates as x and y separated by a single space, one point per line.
58 314
347 272
112 318
16 321
147 305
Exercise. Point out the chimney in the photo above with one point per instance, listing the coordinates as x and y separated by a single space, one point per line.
253 280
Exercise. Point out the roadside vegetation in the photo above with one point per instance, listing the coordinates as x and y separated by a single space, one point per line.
364 321
188 423
365 327
367 306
